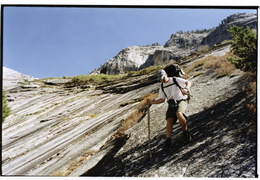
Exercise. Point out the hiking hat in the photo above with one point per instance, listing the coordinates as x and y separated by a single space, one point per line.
161 74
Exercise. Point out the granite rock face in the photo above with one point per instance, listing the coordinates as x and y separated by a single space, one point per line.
220 33
187 40
129 59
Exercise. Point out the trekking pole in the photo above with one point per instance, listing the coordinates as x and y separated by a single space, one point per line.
149 132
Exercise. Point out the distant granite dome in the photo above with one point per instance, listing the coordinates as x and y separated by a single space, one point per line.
179 45
128 59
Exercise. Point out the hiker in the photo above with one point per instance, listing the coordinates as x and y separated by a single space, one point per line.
177 94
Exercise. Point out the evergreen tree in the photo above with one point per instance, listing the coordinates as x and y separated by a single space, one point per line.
156 44
6 110
244 45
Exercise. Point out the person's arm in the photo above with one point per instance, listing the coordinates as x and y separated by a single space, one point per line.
188 84
186 89
158 101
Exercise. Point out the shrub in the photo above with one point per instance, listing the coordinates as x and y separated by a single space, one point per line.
6 110
244 45
76 79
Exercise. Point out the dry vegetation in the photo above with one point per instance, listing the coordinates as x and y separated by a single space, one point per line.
137 115
250 88
221 65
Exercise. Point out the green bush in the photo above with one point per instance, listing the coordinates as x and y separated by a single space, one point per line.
76 79
244 45
6 110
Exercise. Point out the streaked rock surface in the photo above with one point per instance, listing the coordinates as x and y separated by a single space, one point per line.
56 130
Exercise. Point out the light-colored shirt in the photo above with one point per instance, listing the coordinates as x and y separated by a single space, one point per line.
173 91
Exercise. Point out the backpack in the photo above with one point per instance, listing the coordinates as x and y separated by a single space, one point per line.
174 70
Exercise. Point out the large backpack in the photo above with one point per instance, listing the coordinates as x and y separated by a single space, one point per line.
174 70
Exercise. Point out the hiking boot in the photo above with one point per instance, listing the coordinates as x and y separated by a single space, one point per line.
168 144
186 136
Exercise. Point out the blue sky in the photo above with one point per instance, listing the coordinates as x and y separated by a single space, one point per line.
67 41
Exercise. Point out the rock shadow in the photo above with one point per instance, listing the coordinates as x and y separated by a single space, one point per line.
223 145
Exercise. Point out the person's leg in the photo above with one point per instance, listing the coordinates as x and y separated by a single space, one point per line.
168 142
183 123
169 124
182 120
182 106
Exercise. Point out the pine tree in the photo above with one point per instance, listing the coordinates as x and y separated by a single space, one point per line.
244 46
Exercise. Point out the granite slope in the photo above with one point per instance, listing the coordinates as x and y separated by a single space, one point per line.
61 130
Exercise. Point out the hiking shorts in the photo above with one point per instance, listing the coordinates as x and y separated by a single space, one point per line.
182 106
